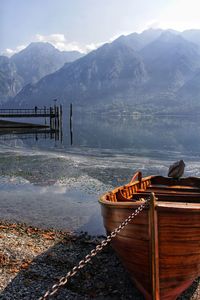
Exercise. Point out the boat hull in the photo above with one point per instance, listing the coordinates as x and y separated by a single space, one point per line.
176 247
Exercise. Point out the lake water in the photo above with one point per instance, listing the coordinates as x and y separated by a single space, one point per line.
51 183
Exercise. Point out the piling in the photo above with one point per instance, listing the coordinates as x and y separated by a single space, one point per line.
71 124
60 122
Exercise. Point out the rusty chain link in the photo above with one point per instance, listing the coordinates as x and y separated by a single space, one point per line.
63 280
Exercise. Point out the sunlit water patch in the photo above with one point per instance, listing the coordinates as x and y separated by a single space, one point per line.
63 205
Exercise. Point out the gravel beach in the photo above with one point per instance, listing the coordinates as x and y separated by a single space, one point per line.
33 259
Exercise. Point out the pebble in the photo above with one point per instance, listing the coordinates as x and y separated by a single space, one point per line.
40 257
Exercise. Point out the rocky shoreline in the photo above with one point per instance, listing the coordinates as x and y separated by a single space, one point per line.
33 259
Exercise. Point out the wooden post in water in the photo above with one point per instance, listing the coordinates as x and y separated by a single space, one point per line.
58 117
154 257
70 124
50 118
60 122
45 111
60 113
54 117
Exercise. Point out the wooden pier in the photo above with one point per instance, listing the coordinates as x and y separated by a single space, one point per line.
54 114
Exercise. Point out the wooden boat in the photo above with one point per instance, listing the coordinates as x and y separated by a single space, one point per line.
160 247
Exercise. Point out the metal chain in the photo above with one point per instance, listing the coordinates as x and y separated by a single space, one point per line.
63 280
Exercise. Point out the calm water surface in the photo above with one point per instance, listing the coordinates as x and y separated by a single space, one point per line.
47 183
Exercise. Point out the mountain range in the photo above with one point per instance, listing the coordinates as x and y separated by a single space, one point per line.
30 65
155 71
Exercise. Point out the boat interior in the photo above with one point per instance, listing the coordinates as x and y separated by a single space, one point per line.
164 188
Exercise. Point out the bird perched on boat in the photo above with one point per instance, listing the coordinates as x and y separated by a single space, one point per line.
177 169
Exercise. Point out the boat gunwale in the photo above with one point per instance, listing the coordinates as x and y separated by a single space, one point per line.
160 205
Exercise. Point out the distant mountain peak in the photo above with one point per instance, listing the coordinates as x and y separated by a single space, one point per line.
151 30
35 47
40 59
40 44
168 36
30 65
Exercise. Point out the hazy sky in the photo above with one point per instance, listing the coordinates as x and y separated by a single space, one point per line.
85 24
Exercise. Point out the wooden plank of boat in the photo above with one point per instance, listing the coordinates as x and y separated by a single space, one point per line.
161 247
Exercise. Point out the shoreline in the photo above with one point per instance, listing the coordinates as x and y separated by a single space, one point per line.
33 259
